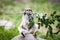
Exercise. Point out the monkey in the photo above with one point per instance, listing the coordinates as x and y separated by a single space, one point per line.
24 26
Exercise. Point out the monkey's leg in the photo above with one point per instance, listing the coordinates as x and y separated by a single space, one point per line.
22 31
23 34
35 33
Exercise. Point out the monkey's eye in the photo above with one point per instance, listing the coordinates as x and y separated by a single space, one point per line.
30 10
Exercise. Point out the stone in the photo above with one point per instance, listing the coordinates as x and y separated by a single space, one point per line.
27 37
3 22
7 24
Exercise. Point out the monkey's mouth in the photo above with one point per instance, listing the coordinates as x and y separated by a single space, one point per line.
29 14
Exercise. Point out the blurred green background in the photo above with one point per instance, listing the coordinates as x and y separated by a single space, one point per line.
11 10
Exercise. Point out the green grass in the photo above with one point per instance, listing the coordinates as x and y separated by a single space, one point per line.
8 34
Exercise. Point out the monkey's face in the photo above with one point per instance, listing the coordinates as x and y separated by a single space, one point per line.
28 12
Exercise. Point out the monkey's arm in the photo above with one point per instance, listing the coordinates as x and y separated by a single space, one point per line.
23 26
35 31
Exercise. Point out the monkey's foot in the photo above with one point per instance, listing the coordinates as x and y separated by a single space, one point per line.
23 35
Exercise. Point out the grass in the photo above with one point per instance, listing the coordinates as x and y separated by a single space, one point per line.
8 34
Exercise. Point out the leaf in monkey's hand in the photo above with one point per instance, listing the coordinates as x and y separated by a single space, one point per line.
31 21
31 25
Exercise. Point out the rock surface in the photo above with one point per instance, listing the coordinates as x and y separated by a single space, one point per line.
27 37
7 24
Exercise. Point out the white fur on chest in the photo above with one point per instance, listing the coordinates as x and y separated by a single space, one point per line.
25 20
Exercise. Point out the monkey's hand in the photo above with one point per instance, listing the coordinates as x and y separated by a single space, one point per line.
24 27
35 31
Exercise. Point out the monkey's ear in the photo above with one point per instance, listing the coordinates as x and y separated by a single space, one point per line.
24 13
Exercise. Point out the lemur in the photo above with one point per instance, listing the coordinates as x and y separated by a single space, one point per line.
24 26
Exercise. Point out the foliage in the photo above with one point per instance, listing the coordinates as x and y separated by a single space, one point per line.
31 21
48 22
